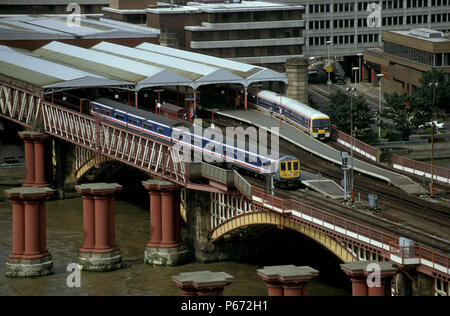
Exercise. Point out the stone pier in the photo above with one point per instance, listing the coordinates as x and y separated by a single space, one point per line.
35 163
100 252
297 72
165 246
202 283
287 280
360 271
29 256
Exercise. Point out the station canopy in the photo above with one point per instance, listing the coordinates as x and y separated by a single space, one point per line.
58 66
23 67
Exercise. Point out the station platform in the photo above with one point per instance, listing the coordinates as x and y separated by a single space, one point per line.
322 185
318 148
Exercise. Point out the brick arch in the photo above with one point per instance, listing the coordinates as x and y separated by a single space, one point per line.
271 218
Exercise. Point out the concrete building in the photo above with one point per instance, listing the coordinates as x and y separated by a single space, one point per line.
405 56
132 11
345 23
250 31
50 6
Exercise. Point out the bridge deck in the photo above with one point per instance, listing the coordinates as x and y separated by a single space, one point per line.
299 138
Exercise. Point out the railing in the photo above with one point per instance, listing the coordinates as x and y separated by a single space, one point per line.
298 211
225 177
338 224
359 146
405 255
419 168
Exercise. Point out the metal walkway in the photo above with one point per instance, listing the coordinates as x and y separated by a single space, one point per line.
300 139
322 185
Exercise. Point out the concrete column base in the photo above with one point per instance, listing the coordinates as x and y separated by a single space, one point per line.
158 256
100 262
26 268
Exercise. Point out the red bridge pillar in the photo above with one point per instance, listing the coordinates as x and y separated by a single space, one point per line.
99 252
365 275
165 246
288 280
35 165
29 256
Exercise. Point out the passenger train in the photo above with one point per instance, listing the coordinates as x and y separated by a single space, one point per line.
314 122
286 169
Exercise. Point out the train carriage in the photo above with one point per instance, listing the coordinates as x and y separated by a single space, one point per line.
312 121
286 169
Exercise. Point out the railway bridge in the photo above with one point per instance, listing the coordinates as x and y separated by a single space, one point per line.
232 201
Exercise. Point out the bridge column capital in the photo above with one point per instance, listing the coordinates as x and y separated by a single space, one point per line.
365 274
288 280
202 283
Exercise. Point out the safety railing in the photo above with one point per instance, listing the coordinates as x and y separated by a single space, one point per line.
325 220
419 168
359 146
405 255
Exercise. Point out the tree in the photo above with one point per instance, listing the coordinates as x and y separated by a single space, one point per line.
401 109
340 108
424 96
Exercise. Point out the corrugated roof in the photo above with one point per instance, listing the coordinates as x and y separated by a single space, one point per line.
46 74
200 73
110 66
248 72
56 27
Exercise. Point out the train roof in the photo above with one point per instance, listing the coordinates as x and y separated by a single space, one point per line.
138 112
293 104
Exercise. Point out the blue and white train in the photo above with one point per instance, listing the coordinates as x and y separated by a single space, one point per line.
315 123
286 169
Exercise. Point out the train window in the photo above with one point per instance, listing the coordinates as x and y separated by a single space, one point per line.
148 126
321 123
295 165
160 130
289 166
132 121
283 166
119 116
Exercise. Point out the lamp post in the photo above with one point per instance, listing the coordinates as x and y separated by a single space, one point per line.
257 98
159 98
434 84
328 64
360 55
380 76
354 69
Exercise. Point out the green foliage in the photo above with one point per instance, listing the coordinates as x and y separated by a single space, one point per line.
340 112
420 110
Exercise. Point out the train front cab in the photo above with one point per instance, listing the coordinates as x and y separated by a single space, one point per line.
320 128
289 171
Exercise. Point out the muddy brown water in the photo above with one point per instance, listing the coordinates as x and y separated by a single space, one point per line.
65 237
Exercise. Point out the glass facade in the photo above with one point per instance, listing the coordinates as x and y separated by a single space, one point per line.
417 55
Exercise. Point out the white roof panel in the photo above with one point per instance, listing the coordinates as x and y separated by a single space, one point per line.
211 60
43 66
104 59
156 58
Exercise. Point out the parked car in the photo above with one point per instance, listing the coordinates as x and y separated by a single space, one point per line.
437 125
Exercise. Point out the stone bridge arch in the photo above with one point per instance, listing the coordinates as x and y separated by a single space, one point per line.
270 218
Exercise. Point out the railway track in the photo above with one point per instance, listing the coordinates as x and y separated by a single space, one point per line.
428 223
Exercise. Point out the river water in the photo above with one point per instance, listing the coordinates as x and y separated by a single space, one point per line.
65 237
